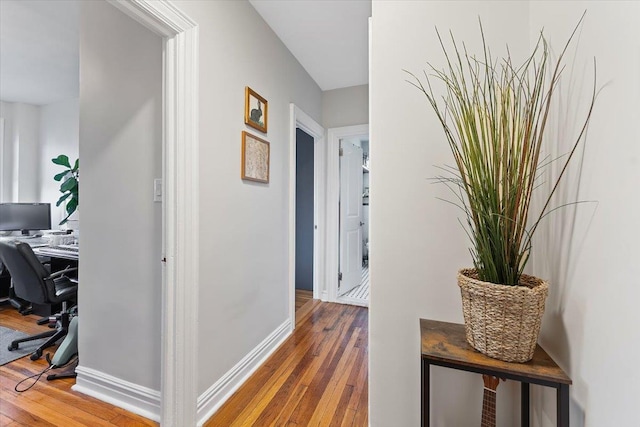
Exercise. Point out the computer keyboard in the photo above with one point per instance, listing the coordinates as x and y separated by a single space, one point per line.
33 241
68 248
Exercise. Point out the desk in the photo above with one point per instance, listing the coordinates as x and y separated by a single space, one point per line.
445 344
56 253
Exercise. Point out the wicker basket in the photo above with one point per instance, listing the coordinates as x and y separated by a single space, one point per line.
501 321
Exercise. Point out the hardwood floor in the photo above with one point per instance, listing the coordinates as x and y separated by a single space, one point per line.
302 297
50 403
318 377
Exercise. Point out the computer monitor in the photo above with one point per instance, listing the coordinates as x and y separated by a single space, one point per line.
25 217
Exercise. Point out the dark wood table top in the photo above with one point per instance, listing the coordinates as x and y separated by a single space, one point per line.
446 343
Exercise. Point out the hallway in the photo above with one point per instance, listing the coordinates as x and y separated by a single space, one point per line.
319 376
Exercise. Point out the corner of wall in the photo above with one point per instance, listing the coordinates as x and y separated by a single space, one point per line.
123 394
215 396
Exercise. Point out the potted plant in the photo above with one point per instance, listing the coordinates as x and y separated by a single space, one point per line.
494 115
70 185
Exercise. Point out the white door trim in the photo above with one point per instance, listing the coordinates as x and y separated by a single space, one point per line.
178 394
334 135
299 119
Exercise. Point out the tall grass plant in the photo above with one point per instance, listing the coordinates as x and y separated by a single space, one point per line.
494 115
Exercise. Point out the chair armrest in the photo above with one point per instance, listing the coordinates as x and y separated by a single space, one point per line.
62 272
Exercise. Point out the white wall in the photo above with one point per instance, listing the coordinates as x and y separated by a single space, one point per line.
59 127
590 253
6 153
120 149
33 135
20 168
244 226
417 244
345 107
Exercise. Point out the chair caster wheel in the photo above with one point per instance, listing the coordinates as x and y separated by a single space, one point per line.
36 355
12 347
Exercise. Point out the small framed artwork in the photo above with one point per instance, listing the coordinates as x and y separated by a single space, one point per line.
255 158
256 110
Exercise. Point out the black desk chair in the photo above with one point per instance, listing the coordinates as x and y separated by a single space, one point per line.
33 283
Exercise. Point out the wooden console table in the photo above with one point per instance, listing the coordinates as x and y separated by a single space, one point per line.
445 344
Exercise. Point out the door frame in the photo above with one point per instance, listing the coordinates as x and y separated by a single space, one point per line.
301 120
334 135
180 222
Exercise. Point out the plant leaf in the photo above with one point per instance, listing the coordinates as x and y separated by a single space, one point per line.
76 165
61 175
72 205
69 185
62 160
63 198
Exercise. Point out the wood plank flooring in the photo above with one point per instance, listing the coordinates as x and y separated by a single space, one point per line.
302 297
318 377
50 403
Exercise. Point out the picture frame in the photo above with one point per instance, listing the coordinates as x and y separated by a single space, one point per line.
255 158
256 110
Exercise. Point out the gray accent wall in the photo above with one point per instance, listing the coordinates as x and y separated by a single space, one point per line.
345 107
304 210
244 293
244 234
120 150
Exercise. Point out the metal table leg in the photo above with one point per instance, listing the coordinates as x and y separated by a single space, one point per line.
425 393
524 404
563 405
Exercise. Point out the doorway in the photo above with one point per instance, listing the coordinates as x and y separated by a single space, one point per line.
179 228
353 276
304 218
347 236
180 257
302 122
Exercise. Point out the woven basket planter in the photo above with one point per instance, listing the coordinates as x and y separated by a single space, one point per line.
501 321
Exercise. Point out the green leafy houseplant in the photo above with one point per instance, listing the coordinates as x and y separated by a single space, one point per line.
494 116
70 181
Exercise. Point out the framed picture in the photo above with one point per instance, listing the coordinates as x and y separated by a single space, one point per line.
255 158
256 110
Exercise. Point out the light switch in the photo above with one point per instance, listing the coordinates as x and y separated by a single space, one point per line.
157 190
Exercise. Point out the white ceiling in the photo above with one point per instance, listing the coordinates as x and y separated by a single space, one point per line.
38 51
328 37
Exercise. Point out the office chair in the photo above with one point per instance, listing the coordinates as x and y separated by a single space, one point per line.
33 283
23 307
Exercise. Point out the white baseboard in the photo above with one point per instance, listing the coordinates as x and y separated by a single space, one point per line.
324 296
132 397
211 400
353 301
